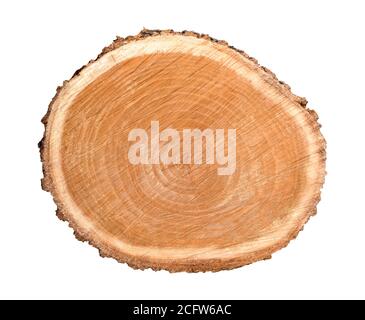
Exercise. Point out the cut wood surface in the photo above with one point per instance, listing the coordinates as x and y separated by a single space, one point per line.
181 216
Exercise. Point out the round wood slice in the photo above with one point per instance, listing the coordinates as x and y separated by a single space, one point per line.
181 216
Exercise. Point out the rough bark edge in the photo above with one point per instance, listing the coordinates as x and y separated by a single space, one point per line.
213 265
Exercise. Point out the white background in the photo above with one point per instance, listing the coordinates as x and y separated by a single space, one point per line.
315 46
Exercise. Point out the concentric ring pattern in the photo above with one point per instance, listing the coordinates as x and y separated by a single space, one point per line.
188 210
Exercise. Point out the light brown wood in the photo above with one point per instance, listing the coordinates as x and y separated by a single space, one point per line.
181 217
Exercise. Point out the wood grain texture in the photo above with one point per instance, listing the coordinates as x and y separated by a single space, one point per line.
181 217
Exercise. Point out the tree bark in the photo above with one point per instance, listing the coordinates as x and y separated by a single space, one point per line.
181 216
